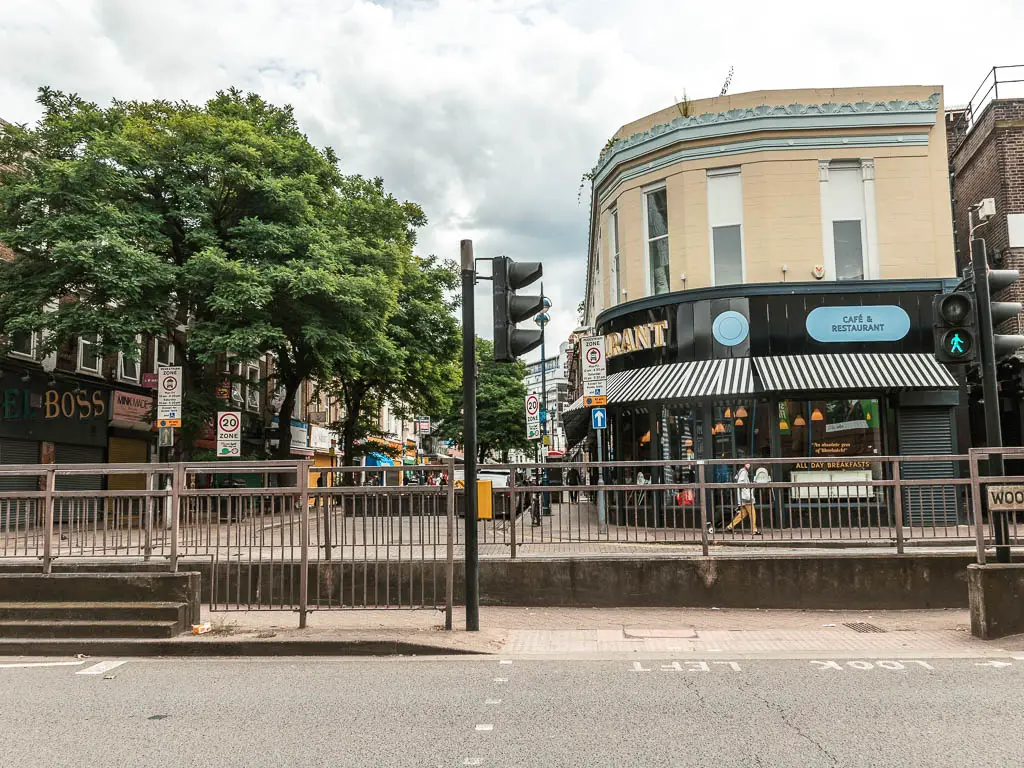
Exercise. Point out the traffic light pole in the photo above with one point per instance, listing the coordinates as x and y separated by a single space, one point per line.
469 436
546 500
990 387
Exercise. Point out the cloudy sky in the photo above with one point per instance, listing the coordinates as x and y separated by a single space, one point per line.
487 112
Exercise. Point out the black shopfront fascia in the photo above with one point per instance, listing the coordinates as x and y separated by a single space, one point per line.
777 317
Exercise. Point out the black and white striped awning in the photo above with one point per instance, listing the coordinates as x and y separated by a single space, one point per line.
679 381
800 373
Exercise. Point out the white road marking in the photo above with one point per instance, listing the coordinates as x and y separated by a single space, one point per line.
996 664
505 661
501 679
890 664
101 668
638 667
485 727
492 702
42 664
473 761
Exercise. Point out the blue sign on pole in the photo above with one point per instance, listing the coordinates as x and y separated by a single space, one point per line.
598 418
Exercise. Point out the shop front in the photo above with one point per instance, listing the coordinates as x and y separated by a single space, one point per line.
322 445
129 437
828 375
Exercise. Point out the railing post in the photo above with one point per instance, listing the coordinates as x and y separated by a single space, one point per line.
979 531
51 485
148 550
897 476
303 483
701 503
512 509
177 480
450 543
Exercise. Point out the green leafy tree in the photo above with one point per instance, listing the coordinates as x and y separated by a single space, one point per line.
500 407
219 225
408 357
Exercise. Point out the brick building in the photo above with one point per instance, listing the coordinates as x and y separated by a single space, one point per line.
986 159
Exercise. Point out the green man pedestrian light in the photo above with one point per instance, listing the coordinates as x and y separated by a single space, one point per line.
954 327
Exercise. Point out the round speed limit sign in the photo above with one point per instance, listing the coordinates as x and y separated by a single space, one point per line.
532 405
228 422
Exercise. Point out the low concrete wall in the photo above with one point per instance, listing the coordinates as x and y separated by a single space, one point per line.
791 581
997 599
837 580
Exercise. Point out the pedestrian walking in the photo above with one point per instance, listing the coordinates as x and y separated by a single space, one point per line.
535 503
746 507
573 479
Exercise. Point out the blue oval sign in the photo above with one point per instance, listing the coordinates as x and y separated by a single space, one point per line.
850 324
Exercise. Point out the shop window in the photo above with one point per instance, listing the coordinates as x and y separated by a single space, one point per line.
252 390
725 220
89 353
817 432
23 344
163 352
128 365
656 229
849 249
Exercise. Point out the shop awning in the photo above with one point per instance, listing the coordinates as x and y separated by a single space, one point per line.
799 373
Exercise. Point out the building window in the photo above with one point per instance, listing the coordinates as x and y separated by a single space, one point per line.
163 352
812 431
849 249
237 385
725 219
89 353
23 344
252 390
616 268
847 207
128 368
656 234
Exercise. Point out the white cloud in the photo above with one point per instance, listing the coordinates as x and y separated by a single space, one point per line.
487 112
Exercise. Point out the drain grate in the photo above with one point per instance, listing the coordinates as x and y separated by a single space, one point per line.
860 626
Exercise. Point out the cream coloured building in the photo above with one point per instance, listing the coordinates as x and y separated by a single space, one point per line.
772 186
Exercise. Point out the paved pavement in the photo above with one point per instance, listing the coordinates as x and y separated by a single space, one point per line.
721 710
632 632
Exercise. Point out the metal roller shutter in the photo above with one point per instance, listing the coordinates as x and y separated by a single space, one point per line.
78 511
123 450
928 432
13 512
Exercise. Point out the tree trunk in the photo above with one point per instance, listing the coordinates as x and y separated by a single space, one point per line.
284 418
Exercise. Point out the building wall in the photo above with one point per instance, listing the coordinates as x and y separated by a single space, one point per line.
903 152
989 162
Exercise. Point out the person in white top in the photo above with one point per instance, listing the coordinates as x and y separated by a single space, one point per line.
746 507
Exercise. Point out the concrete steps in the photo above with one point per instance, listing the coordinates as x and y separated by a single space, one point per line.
53 629
97 606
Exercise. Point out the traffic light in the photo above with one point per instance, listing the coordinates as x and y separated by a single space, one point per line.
954 328
509 276
1000 311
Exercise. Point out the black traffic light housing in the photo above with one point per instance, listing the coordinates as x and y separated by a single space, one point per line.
1001 311
954 328
508 277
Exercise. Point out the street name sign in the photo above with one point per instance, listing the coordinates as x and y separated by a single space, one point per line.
532 417
168 402
1005 498
229 433
593 365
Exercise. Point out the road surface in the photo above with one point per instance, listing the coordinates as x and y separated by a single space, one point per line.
491 711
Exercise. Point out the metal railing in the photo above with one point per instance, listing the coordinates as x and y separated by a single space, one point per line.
1000 82
291 536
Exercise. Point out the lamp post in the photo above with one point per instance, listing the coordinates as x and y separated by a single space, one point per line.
542 320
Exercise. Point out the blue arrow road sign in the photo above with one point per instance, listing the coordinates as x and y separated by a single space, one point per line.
598 418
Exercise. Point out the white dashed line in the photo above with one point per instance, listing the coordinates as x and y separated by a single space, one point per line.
492 702
473 761
43 664
101 668
485 727
505 661
501 679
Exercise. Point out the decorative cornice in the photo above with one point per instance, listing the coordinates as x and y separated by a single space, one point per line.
768 117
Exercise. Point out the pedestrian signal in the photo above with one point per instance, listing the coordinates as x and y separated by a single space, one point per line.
954 327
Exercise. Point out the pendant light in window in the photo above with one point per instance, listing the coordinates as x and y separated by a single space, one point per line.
741 412
739 422
799 421
728 413
816 415
783 426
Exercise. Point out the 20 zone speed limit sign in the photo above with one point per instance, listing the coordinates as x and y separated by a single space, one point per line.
532 417
229 433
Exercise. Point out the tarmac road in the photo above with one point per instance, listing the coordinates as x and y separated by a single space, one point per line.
488 711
